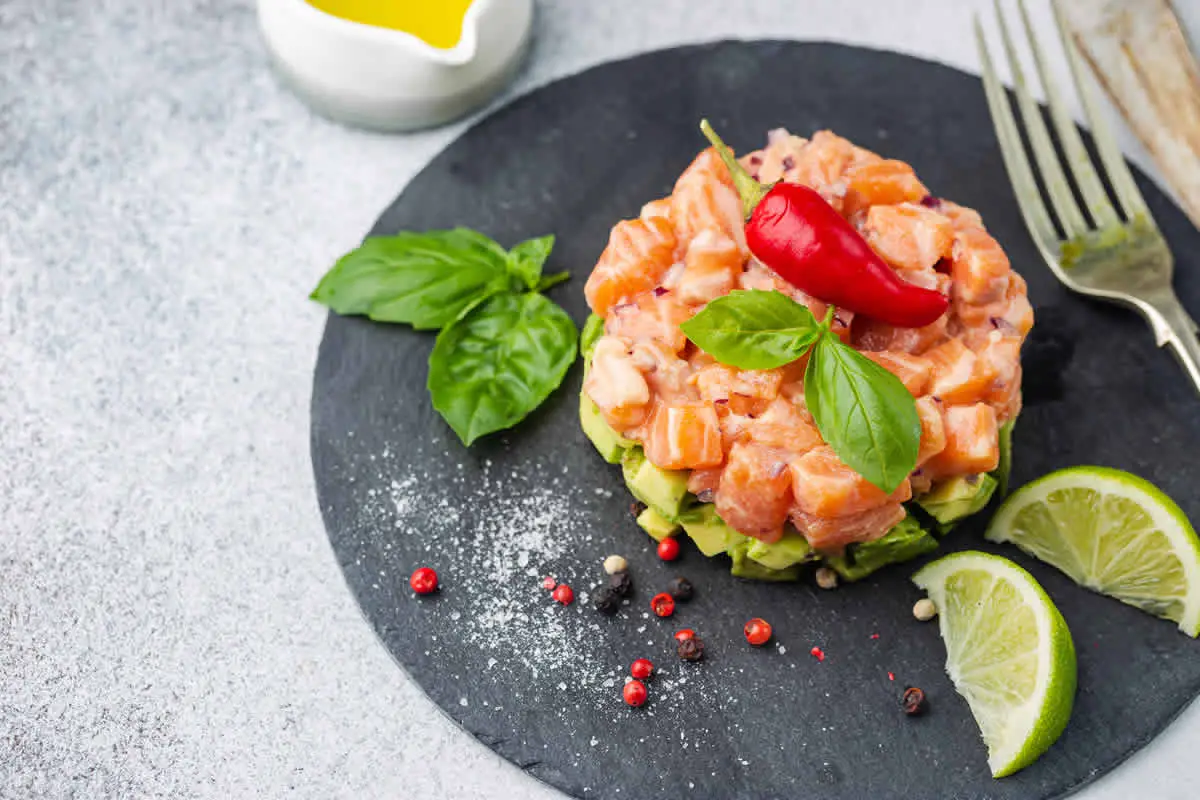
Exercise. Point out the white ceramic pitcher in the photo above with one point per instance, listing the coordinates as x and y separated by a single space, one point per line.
389 80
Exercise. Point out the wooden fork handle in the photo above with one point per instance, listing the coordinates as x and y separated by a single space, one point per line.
1174 328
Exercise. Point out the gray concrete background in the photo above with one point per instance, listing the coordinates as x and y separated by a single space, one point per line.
172 622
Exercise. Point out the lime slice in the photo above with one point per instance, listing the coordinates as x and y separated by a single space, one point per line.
1008 652
1112 532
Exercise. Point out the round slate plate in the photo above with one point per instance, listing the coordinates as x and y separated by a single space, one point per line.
540 683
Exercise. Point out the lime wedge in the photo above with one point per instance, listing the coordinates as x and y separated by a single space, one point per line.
1008 652
1112 532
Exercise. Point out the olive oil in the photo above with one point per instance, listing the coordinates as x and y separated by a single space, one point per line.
439 23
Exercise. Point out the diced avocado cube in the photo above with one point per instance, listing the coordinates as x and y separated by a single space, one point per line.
710 533
748 568
656 524
904 542
663 490
1002 472
793 548
958 498
593 329
608 442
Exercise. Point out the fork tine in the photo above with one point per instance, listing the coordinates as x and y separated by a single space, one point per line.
1110 155
1029 199
1069 215
1078 160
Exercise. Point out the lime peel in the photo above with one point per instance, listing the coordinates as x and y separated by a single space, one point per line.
1008 652
1112 532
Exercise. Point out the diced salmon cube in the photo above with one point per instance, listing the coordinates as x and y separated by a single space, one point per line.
704 480
684 436
825 487
933 429
704 198
960 217
822 162
639 253
616 386
660 208
832 534
873 335
909 236
650 318
972 445
882 183
913 371
737 391
979 267
711 267
959 376
783 426
755 495
767 165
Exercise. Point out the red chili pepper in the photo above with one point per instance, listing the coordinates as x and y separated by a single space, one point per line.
794 231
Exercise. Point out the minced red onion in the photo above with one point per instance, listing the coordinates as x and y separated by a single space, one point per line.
705 495
776 469
788 163
1003 325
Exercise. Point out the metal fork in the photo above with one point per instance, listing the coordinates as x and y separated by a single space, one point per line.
1125 260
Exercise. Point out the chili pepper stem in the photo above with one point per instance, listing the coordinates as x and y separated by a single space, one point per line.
750 190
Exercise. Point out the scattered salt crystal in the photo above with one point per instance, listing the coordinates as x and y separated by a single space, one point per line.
462 701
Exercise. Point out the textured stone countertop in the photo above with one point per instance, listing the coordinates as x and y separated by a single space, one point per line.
172 621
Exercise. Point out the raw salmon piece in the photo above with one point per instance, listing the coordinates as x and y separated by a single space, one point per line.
882 183
668 375
959 376
767 165
913 371
825 487
1011 315
822 162
933 429
650 318
873 335
711 267
703 482
755 491
660 209
684 436
737 391
960 217
616 386
972 446
832 534
908 236
704 198
784 426
979 267
639 252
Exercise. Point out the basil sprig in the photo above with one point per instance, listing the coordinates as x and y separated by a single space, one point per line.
862 411
753 329
498 363
503 348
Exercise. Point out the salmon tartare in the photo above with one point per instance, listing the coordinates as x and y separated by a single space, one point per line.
732 456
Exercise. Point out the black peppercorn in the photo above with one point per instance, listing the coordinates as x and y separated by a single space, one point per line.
690 649
607 600
621 583
681 589
913 701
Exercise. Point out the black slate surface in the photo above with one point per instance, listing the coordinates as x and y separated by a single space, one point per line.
541 684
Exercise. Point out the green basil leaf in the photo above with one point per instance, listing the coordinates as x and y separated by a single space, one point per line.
593 329
425 279
753 329
863 412
526 259
499 362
